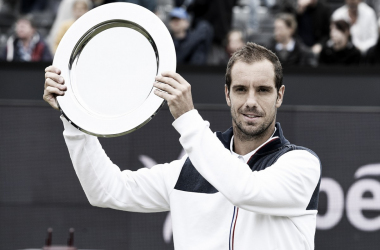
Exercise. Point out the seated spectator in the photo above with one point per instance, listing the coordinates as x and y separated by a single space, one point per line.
362 19
339 49
289 50
191 44
217 13
64 13
79 8
313 18
235 40
373 54
26 45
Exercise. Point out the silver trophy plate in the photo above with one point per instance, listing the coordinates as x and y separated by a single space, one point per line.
109 59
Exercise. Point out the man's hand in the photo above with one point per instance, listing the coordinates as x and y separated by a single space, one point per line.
54 86
317 48
176 91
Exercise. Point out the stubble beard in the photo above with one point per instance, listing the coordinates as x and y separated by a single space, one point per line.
246 134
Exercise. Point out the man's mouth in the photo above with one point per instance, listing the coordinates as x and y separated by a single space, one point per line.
251 115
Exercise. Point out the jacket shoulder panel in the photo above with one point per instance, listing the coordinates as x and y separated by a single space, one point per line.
190 180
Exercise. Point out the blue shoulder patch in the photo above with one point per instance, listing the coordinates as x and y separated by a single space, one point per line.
191 180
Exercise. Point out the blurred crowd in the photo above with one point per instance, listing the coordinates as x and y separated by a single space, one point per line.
207 32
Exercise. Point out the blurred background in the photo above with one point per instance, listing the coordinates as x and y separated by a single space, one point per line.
330 51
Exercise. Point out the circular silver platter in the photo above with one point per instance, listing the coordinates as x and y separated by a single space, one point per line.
109 59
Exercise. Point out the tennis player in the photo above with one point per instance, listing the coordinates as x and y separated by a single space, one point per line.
246 188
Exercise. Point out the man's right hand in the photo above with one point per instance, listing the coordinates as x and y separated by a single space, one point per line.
54 86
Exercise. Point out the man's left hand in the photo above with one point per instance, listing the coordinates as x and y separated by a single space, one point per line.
176 91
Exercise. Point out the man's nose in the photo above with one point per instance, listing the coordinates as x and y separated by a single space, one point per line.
251 99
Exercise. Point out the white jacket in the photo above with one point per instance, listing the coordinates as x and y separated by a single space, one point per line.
364 32
249 209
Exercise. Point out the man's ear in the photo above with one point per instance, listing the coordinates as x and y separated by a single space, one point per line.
280 96
227 93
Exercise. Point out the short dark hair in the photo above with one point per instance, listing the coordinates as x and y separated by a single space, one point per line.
289 20
250 53
342 25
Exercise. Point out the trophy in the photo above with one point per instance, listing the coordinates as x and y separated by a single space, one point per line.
109 59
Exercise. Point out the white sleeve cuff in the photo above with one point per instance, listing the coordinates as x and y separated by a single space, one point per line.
69 128
189 120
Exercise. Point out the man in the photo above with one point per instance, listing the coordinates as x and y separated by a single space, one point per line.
235 40
191 45
339 49
245 188
313 18
217 13
26 45
363 23
290 51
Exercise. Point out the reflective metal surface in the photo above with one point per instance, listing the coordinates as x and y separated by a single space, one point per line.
109 59
112 47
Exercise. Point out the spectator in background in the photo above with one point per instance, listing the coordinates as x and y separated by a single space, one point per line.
234 41
373 54
217 13
64 13
289 50
313 18
79 8
362 19
191 45
245 17
339 49
26 45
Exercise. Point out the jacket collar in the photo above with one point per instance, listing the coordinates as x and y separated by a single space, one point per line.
270 146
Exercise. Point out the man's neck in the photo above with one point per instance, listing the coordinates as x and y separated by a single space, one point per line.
353 14
25 42
180 34
243 146
340 46
286 42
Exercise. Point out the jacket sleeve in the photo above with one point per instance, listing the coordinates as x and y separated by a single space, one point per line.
284 189
369 35
105 185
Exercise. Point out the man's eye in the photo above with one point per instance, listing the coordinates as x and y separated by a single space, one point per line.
240 90
263 90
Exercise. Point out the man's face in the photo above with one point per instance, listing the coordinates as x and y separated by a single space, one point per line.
235 42
24 30
178 25
253 99
339 38
282 32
